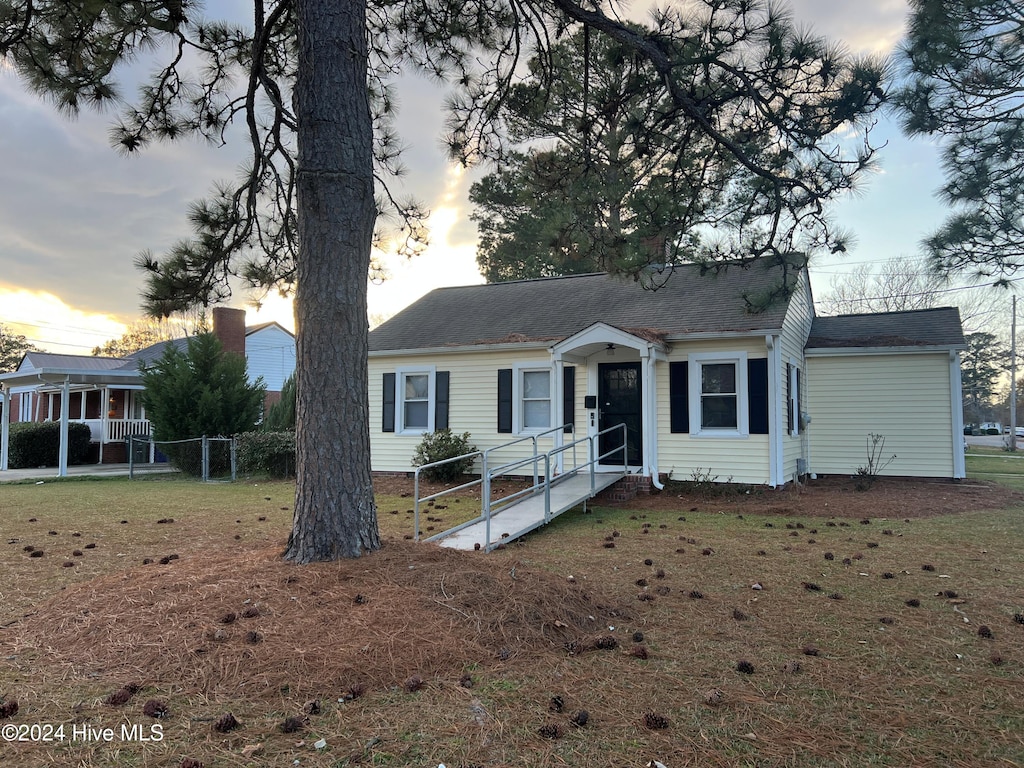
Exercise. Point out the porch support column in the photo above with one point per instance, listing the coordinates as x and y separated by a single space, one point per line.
650 418
649 426
559 440
65 411
104 418
5 429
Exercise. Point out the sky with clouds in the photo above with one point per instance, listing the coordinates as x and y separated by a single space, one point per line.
74 213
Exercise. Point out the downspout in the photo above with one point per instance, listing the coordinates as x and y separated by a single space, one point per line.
651 418
5 428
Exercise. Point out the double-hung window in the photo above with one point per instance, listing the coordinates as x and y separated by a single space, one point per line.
533 398
718 396
415 400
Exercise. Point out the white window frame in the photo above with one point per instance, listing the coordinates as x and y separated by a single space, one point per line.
696 363
519 403
26 409
794 397
400 376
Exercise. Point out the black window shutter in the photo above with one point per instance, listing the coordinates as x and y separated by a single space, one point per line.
790 371
569 397
505 400
441 400
389 403
757 395
678 400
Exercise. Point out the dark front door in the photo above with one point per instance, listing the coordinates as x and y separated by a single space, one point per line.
618 402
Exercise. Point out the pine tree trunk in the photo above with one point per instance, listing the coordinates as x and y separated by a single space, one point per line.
335 515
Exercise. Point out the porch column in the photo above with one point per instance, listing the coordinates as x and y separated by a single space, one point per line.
104 419
5 429
559 404
647 409
65 410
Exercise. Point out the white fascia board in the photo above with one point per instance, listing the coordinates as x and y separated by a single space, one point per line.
850 351
54 376
461 349
757 333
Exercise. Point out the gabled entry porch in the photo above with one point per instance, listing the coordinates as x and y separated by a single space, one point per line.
621 389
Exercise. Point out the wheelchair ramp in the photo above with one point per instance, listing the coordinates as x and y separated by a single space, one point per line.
520 517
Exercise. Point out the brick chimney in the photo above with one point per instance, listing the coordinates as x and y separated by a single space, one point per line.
229 327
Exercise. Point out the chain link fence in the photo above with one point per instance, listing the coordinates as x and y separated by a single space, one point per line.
205 458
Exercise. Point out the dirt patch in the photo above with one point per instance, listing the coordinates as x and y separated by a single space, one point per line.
373 622
841 497
831 496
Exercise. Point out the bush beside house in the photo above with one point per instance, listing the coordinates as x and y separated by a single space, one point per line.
266 453
35 444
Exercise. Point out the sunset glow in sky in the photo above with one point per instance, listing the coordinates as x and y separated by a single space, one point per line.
74 213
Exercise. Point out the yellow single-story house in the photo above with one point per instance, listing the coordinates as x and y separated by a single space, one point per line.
704 386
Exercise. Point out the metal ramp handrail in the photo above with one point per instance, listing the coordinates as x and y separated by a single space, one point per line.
491 507
484 457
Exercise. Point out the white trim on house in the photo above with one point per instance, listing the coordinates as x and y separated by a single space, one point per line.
848 351
401 374
519 396
503 347
956 407
724 335
776 447
649 381
696 362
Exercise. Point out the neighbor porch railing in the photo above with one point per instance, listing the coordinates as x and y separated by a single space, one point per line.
119 429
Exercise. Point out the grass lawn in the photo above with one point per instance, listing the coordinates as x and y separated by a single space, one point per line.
997 465
700 636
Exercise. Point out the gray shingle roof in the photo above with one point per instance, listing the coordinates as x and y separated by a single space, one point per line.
924 327
555 308
153 353
37 360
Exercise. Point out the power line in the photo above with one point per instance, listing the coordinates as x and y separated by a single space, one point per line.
919 294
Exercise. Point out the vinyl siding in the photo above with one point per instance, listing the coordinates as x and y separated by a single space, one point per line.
905 398
473 403
737 460
270 353
795 330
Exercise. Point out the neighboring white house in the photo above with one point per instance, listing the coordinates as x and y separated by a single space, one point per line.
105 392
705 386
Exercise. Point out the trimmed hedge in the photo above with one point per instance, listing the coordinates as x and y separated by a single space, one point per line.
266 453
37 444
